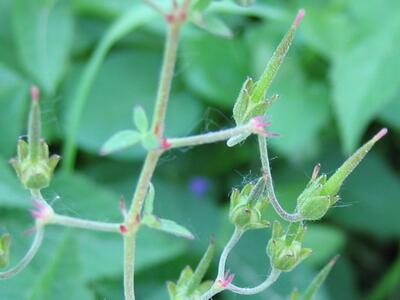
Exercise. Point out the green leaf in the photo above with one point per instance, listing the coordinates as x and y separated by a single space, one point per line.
13 108
362 200
62 272
121 140
212 24
364 75
140 119
131 19
43 32
150 141
114 81
167 226
223 64
313 288
149 200
326 241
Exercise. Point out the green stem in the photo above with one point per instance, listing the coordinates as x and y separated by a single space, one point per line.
133 216
84 224
129 266
237 234
266 170
210 137
272 277
37 242
167 74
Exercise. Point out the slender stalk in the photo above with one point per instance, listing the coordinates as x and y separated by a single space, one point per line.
210 137
167 74
37 242
129 266
272 277
84 224
152 157
237 234
266 170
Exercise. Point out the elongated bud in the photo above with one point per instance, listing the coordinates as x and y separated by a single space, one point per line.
35 125
5 243
276 60
332 186
33 165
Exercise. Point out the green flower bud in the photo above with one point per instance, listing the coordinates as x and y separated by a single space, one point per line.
33 165
285 249
247 206
311 204
5 242
332 186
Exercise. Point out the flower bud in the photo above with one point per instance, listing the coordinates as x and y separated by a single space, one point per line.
33 164
311 204
5 242
247 206
333 184
285 249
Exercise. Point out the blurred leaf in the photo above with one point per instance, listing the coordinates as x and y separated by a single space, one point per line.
13 108
167 226
218 73
120 140
212 24
390 114
140 119
364 75
102 8
12 193
43 32
60 273
131 19
114 83
364 207
318 280
8 55
325 241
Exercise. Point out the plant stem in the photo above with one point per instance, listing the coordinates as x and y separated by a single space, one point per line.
210 137
129 265
237 234
272 277
37 242
266 170
133 216
84 224
167 74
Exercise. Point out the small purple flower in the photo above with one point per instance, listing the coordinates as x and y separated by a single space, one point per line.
199 185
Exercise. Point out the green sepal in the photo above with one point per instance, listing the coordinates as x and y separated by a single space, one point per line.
166 226
294 295
285 249
121 140
140 119
247 206
5 245
242 102
318 280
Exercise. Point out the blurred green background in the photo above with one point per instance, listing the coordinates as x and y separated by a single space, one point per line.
339 84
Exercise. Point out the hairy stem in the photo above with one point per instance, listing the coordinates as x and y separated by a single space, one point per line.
266 170
167 74
237 234
133 216
129 266
273 276
210 137
37 242
84 224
